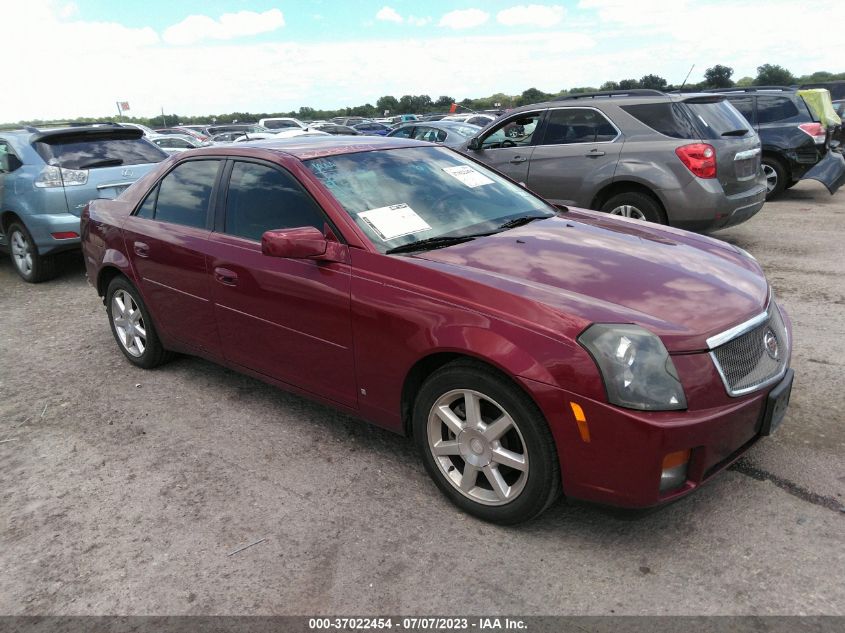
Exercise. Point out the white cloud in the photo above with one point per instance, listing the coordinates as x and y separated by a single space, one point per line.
539 15
418 21
196 28
68 10
388 14
464 19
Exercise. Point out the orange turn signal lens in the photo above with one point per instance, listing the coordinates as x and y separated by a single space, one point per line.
676 459
581 421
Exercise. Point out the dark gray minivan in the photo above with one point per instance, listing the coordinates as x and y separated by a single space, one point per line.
689 160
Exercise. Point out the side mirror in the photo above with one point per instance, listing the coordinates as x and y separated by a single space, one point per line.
300 243
474 144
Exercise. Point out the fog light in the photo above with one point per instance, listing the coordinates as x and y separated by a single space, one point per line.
64 235
674 473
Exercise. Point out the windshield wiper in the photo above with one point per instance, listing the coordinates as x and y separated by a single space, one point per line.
735 133
106 162
522 220
430 243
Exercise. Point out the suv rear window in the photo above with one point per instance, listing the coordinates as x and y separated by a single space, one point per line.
717 119
80 153
664 117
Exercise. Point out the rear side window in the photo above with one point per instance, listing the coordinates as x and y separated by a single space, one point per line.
718 119
81 153
279 125
577 125
745 106
776 109
666 118
261 198
183 196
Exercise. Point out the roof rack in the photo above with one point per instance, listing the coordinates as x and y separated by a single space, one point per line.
750 89
634 92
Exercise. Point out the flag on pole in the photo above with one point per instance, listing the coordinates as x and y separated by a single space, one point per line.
123 105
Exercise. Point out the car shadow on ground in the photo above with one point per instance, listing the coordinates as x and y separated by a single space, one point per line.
69 265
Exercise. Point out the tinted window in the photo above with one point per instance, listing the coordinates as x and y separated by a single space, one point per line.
278 125
8 160
717 119
185 192
745 105
667 118
262 198
404 132
773 109
148 207
81 153
577 125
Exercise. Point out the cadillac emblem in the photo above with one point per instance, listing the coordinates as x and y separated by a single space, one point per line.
770 342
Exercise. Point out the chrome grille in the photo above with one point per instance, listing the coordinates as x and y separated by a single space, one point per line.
756 356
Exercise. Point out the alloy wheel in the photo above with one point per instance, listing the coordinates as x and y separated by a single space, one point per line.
771 178
22 253
628 211
478 447
129 323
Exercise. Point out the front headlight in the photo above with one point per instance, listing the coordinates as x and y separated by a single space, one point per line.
637 370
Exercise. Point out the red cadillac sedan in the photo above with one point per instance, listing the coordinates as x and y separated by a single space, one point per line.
528 350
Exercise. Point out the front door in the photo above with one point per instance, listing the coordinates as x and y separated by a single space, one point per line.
508 147
286 318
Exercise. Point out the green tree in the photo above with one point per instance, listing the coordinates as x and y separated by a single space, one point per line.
745 82
718 76
387 103
532 95
773 75
654 82
609 85
444 101
628 84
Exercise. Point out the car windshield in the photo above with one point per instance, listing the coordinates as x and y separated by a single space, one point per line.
401 196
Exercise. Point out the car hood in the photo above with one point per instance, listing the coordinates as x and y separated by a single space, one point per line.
597 269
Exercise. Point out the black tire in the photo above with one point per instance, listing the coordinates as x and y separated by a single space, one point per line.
538 486
32 267
640 202
776 178
153 353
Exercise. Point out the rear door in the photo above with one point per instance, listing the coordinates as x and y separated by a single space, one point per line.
578 152
508 147
108 160
166 240
285 318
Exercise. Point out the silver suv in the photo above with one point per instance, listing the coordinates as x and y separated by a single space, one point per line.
689 160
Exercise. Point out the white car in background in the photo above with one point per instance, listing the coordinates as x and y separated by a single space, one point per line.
174 143
282 123
473 118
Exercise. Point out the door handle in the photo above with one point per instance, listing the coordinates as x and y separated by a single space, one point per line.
518 159
141 249
226 277
594 153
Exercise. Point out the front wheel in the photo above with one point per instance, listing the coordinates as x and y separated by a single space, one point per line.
635 205
132 326
32 267
485 444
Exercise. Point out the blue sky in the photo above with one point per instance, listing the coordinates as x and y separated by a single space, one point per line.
215 56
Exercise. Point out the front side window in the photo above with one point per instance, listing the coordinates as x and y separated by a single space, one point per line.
577 125
261 198
516 131
407 195
185 193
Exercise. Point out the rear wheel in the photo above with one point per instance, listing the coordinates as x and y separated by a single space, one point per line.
31 266
485 444
776 179
635 205
132 325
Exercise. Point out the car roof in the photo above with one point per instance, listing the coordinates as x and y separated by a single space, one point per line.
304 148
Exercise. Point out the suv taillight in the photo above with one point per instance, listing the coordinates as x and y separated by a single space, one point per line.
700 159
52 176
816 130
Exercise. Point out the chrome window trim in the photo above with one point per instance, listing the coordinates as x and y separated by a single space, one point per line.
109 185
606 118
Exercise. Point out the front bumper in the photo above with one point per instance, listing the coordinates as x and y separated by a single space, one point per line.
621 462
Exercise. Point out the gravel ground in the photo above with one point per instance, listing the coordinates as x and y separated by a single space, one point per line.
124 491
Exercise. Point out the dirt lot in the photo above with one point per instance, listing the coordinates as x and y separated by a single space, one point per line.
124 491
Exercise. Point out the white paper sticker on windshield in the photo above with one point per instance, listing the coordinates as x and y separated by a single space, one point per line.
394 221
468 176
